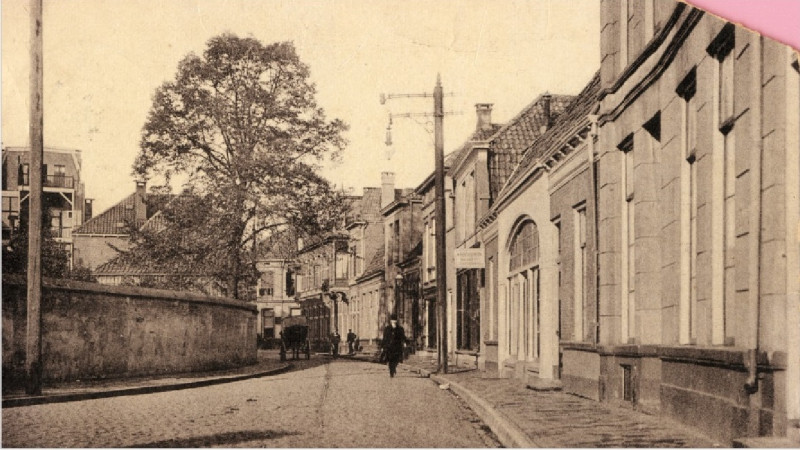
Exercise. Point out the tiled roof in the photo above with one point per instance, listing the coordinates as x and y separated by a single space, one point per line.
458 155
366 207
375 265
124 266
412 254
573 119
116 218
508 144
370 204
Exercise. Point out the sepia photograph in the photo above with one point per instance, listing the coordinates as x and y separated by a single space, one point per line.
400 224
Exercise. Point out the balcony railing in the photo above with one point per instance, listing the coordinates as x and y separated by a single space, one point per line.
55 181
61 232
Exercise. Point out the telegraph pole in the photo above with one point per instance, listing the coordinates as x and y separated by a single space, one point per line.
441 245
33 349
439 208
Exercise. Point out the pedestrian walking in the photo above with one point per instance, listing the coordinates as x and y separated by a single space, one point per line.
335 339
392 344
351 339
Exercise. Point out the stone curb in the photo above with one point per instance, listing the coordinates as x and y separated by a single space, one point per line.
509 434
76 396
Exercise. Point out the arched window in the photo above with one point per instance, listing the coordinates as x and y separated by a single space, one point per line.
524 248
523 301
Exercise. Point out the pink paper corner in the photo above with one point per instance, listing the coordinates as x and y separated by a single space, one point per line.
777 19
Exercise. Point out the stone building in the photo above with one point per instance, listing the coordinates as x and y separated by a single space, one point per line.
365 228
698 168
321 271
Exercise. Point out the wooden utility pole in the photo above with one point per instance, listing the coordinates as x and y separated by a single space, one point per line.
439 211
441 244
33 354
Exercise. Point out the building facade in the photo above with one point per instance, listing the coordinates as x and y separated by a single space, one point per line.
96 241
697 164
274 296
484 334
63 192
402 226
322 281
367 285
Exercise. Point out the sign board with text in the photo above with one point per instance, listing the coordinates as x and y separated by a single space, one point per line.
470 258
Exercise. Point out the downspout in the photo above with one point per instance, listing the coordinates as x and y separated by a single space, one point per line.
596 253
754 282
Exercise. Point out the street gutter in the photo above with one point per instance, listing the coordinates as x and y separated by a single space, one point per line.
507 433
89 395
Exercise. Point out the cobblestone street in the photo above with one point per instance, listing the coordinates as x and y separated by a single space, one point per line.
341 404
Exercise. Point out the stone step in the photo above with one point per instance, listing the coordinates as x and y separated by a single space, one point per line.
541 385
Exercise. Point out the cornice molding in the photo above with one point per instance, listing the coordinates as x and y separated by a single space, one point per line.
667 57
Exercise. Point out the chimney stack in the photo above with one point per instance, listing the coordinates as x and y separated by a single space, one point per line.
548 120
387 188
139 205
484 113
87 209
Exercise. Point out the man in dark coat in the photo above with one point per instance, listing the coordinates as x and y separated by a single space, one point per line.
335 339
393 339
351 340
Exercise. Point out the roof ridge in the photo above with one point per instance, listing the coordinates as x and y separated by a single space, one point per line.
524 111
559 128
102 216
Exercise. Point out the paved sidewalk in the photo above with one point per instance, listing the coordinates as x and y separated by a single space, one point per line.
522 417
268 364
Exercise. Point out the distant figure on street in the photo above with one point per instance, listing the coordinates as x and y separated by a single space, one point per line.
335 339
351 340
393 339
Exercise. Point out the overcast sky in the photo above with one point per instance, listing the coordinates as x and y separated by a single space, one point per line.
103 60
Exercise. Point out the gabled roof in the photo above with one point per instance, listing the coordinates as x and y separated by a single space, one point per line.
115 219
458 155
412 255
375 266
509 143
569 123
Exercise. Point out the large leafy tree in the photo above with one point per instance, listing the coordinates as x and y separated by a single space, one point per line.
242 123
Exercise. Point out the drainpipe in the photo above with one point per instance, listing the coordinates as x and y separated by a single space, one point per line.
754 282
595 251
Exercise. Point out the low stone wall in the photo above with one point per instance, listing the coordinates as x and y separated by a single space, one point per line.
92 331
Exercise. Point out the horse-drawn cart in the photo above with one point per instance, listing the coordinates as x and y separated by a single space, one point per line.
294 337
